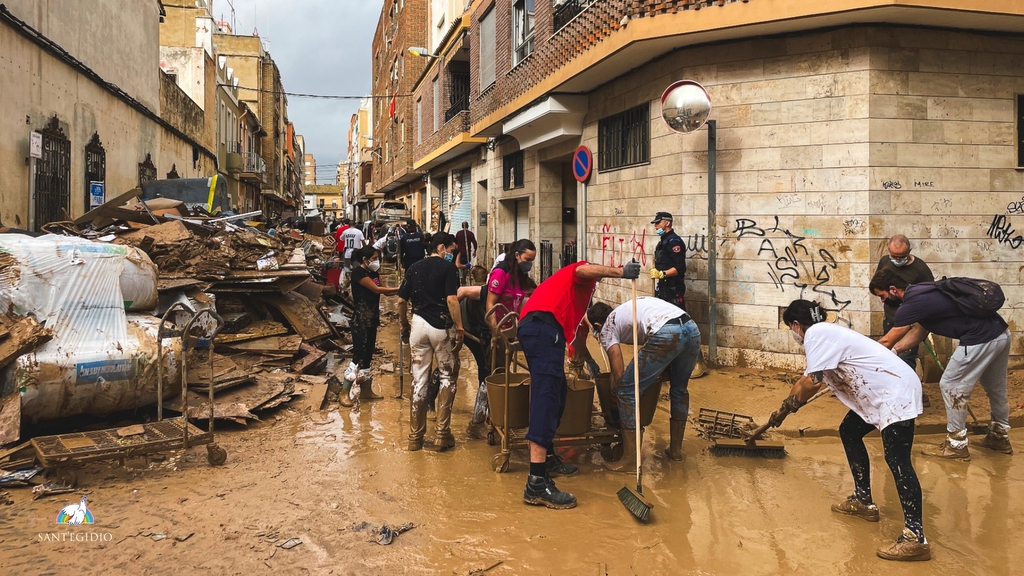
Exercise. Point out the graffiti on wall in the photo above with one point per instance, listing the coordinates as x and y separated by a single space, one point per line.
617 248
793 263
1003 232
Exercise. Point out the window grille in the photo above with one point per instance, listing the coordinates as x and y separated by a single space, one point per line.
95 165
512 171
53 176
147 171
624 139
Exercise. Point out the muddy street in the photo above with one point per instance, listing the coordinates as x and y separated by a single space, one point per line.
331 479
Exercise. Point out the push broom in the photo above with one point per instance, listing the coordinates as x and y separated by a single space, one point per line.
634 500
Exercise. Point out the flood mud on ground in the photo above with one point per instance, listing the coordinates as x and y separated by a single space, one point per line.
307 493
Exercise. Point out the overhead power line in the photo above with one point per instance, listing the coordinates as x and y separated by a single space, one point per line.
322 96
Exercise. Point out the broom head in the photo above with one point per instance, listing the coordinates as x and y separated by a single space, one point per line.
635 502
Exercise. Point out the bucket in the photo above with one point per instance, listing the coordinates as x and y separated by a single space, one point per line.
518 399
579 406
610 401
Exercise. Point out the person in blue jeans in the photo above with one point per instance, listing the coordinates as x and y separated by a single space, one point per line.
670 340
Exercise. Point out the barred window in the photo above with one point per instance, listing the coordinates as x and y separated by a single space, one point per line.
624 139
512 171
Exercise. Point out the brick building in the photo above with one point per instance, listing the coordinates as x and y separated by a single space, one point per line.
402 25
838 126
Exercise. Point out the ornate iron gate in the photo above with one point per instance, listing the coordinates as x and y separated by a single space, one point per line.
147 171
53 176
95 165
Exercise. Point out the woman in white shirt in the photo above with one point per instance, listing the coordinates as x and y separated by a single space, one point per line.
881 392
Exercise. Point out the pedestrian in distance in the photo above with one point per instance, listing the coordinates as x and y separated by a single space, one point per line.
435 333
982 355
669 340
411 245
366 293
912 269
467 246
552 321
882 393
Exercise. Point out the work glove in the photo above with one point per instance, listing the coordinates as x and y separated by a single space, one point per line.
789 406
631 271
657 274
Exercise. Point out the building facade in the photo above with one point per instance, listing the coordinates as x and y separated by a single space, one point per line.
837 127
108 118
309 167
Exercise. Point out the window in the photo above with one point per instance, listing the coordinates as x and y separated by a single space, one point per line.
522 30
53 176
419 120
1020 130
147 171
624 139
437 104
512 171
95 167
458 94
486 50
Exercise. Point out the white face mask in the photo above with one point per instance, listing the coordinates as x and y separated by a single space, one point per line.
374 265
797 337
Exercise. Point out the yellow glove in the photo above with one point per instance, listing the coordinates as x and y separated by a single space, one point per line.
657 274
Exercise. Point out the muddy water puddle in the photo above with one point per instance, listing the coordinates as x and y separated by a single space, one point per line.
331 478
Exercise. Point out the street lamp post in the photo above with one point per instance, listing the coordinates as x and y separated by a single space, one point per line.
686 106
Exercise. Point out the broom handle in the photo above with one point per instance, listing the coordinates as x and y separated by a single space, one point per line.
636 390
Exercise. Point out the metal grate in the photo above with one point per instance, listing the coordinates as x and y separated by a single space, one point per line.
53 176
173 174
458 94
718 424
568 10
545 260
147 171
95 165
624 139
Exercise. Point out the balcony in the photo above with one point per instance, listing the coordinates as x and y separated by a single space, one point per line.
252 167
567 10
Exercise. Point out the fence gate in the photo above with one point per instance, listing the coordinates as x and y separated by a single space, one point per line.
53 176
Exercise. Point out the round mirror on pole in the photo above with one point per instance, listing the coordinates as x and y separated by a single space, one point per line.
685 106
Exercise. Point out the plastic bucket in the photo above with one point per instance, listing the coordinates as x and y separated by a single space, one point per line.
579 406
518 399
610 401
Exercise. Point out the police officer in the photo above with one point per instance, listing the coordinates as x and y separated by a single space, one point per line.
669 262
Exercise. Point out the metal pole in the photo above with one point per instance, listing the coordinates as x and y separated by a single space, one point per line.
712 242
32 194
582 232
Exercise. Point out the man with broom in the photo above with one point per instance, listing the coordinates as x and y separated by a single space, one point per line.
552 319
881 392
669 340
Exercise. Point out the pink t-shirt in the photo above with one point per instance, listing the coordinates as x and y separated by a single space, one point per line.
509 295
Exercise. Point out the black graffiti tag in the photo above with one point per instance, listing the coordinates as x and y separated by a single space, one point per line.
1003 232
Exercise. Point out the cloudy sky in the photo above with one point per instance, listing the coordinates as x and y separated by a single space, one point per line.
321 47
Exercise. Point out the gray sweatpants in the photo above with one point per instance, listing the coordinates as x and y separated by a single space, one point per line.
985 363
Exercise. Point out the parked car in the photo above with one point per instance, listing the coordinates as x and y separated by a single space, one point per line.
390 211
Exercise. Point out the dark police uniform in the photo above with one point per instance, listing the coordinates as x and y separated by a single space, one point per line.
671 253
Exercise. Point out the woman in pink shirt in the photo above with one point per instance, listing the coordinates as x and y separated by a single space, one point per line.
509 284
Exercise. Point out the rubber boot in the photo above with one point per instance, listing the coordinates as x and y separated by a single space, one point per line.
627 463
417 423
445 399
677 426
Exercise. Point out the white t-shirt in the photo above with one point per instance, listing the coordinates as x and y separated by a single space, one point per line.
652 312
351 239
866 376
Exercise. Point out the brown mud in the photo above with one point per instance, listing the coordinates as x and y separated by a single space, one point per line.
329 478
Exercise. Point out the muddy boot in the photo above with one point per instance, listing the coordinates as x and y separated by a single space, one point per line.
445 399
675 444
998 439
909 547
541 491
476 430
556 467
343 398
627 463
954 448
854 507
417 424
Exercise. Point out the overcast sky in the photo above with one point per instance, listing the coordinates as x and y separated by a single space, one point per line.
321 47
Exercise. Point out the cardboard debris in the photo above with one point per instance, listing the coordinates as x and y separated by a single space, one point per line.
301 314
166 234
25 335
314 360
288 345
10 419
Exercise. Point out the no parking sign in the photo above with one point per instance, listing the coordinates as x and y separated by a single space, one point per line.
582 164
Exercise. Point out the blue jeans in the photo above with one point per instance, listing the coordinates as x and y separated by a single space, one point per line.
676 347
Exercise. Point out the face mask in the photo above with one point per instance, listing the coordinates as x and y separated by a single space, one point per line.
449 257
660 231
525 267
797 338
898 262
374 266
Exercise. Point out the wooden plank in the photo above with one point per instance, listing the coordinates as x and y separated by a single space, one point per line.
253 332
303 315
10 419
107 206
308 362
25 335
271 345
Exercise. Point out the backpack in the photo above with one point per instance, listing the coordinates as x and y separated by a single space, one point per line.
974 297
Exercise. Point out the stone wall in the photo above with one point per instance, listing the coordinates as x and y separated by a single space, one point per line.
828 143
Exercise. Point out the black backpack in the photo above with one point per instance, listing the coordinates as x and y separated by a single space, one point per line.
974 297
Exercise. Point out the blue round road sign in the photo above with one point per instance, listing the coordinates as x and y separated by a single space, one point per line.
582 164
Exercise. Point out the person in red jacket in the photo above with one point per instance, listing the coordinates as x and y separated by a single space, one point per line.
552 319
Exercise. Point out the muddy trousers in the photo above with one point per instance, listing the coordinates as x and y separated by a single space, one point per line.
676 346
427 344
897 443
985 363
364 336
